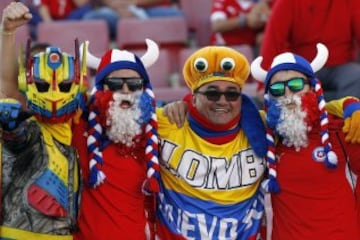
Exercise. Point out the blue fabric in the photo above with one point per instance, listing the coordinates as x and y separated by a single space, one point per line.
253 126
350 109
79 13
208 133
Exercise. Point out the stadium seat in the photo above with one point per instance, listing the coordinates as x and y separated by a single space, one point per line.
197 14
64 33
22 35
170 33
164 81
245 49
3 4
164 31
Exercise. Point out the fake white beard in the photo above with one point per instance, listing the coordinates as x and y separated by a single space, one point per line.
292 127
122 125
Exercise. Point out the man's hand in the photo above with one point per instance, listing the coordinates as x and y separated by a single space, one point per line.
15 15
352 128
258 15
176 112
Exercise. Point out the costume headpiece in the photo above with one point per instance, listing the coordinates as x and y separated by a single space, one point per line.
215 63
53 82
112 60
290 61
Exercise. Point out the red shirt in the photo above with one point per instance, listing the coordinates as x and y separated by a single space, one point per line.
298 25
115 209
59 9
231 8
315 202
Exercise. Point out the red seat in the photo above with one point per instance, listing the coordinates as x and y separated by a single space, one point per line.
64 33
197 13
170 33
164 31
245 49
22 35
3 4
161 76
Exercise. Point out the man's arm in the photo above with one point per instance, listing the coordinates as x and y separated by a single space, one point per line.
15 15
147 3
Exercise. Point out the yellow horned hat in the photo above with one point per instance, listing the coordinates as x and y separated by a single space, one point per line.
215 63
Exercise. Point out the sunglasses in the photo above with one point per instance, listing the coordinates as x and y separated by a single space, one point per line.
215 95
294 84
117 83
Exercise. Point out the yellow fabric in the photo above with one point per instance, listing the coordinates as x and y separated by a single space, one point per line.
60 131
335 107
234 177
352 128
18 234
351 125
58 163
214 55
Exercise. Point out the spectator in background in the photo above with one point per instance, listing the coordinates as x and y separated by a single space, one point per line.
52 10
113 10
236 22
298 25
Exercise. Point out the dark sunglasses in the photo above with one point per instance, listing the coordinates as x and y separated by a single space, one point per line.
294 84
117 83
215 95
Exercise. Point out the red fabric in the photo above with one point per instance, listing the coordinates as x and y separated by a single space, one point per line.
297 25
349 101
315 202
358 200
231 8
59 9
44 202
115 209
164 234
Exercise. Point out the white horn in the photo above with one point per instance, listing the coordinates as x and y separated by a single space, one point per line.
321 57
92 61
152 53
257 71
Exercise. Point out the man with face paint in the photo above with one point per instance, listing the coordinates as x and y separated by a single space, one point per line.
122 168
311 195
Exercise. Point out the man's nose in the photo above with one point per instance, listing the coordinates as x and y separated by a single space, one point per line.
125 89
288 92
